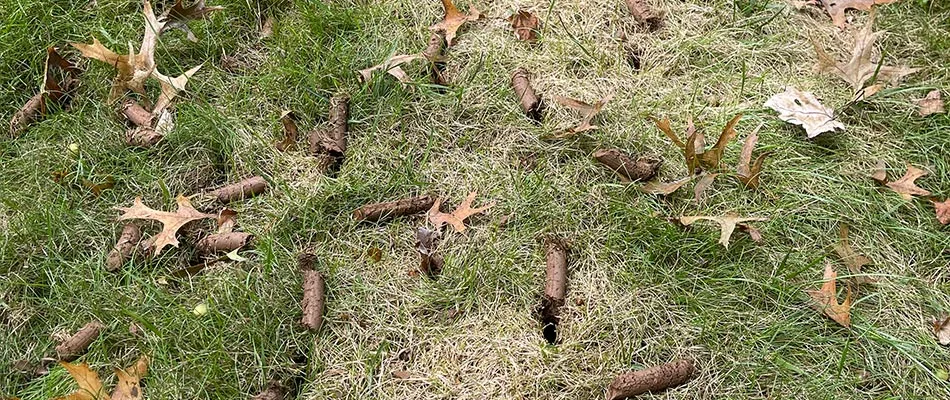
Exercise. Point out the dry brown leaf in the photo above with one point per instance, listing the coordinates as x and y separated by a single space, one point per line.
749 175
90 387
453 20
711 158
171 221
879 174
664 126
664 188
694 148
941 327
290 131
525 25
931 104
170 88
727 224
826 299
60 80
754 233
457 217
699 191
836 8
803 108
851 258
865 63
177 16
906 187
589 111
391 66
943 211
129 385
227 218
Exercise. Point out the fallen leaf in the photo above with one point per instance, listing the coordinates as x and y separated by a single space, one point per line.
802 108
227 218
90 387
931 104
826 299
749 175
453 20
525 25
589 111
60 80
906 187
851 258
457 217
374 253
694 148
267 27
753 232
391 66
171 221
941 326
712 157
866 93
727 224
98 188
290 131
836 8
879 174
704 183
129 386
864 63
664 188
177 16
943 211
170 88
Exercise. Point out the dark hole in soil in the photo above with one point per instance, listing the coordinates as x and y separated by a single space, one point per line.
550 332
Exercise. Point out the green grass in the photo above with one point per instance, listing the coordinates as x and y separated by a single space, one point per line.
642 291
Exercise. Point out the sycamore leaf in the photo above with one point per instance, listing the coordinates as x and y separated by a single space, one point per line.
90 387
826 299
802 108
749 174
699 191
943 211
177 16
664 188
836 8
941 327
589 111
453 20
129 385
171 221
906 187
932 104
391 66
851 258
864 63
727 224
457 217
525 25
170 88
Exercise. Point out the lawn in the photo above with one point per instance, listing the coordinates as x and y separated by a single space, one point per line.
642 291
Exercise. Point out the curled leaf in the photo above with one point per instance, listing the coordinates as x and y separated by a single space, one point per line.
826 299
803 108
525 25
727 224
589 111
749 174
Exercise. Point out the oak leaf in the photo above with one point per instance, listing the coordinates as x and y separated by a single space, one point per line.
864 64
694 148
803 108
60 80
392 67
170 88
836 8
931 104
943 211
589 111
906 187
525 25
941 329
746 173
826 299
457 217
851 258
171 221
453 20
727 224
699 191
712 157
664 188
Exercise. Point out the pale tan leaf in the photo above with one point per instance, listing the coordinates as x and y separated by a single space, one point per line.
588 112
699 191
854 261
128 386
931 104
864 63
941 329
171 221
879 174
227 218
802 108
456 218
906 187
826 299
453 20
392 67
664 188
90 387
943 211
727 224
836 8
170 88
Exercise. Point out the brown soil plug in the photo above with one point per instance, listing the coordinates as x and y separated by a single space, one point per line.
531 104
644 14
130 236
314 293
426 243
30 113
433 53
383 211
275 390
331 142
223 242
143 136
136 114
555 288
76 345
245 189
652 379
629 170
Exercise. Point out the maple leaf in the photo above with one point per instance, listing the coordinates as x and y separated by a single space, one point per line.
457 217
836 8
171 221
906 187
827 302
851 258
589 111
931 104
392 67
453 20
525 25
943 211
864 63
664 188
941 327
803 108
749 175
128 386
727 224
